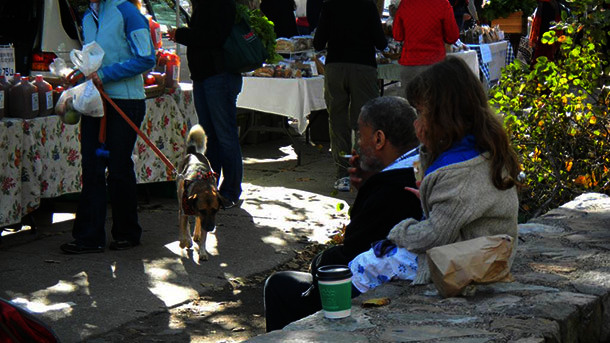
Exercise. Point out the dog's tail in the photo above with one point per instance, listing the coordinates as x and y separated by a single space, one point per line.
196 141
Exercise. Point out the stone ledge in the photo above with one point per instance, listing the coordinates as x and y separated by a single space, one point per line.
561 293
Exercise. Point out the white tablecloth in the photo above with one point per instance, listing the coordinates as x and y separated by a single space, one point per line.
391 71
292 98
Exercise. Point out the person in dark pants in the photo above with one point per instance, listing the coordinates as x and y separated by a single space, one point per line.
388 148
123 33
281 13
349 30
215 90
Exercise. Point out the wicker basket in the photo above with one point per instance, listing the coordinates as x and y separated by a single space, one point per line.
391 55
154 91
319 65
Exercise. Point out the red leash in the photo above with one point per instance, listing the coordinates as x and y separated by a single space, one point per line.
137 129
73 77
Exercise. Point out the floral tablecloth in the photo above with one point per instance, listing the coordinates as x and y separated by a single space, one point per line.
40 157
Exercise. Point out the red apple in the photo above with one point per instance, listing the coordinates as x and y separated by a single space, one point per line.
149 80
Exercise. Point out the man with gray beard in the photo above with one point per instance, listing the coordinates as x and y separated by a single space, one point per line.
384 167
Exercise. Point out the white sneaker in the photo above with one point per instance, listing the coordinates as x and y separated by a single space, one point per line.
343 184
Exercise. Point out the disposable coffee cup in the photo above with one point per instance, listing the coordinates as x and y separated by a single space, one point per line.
335 285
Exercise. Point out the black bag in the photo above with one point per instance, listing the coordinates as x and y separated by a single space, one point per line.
243 50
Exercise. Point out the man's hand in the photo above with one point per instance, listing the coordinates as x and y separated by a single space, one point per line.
383 247
357 176
171 34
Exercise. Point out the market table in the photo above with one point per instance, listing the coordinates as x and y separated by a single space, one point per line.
391 71
40 157
293 98
492 58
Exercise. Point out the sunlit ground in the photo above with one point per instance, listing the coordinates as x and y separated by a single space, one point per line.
289 152
289 210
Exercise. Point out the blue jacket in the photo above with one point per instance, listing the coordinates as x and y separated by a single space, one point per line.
124 34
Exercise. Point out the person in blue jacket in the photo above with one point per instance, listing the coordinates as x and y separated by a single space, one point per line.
123 32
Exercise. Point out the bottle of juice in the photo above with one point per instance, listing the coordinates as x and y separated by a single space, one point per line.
23 100
172 70
155 32
161 61
4 86
45 96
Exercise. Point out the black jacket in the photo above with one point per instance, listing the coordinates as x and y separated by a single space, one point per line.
208 29
381 203
350 30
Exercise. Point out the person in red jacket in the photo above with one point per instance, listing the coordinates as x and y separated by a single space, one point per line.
424 26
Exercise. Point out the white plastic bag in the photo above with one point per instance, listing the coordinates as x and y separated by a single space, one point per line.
84 98
87 99
59 68
89 59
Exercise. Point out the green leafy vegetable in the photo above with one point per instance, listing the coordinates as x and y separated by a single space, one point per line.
263 28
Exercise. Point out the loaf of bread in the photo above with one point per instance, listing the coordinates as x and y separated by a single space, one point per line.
284 44
263 72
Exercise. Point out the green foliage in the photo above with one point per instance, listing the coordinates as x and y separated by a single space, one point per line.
502 8
557 111
263 29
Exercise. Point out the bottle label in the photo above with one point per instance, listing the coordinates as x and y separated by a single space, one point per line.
176 73
49 100
1 99
35 102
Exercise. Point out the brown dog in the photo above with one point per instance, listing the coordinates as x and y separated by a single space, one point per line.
197 193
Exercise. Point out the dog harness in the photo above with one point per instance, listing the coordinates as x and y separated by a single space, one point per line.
200 172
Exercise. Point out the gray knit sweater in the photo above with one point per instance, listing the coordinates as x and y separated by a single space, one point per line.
460 202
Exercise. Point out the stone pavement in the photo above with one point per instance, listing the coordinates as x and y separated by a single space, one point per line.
561 293
80 296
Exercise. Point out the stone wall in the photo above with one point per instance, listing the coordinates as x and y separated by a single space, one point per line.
561 293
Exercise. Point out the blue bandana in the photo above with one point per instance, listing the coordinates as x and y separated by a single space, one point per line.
461 151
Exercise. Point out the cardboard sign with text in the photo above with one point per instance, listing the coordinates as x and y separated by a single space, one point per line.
7 60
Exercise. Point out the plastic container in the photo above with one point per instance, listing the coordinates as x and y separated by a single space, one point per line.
155 32
172 70
56 94
161 61
23 100
4 87
45 96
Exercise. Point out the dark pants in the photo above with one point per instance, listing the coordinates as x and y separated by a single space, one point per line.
120 183
284 299
284 302
347 86
215 101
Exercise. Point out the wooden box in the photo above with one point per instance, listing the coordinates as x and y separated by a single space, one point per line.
514 23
